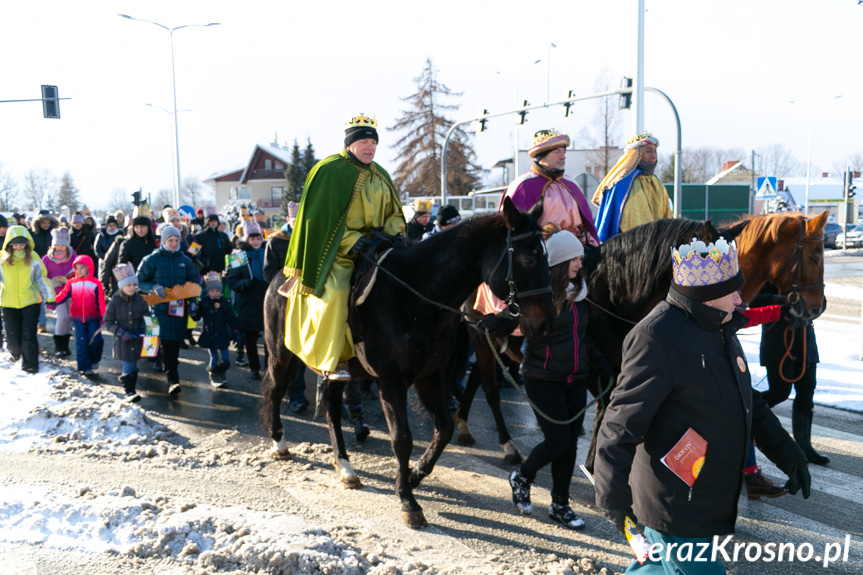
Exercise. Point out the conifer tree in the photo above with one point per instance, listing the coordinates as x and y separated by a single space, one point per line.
425 126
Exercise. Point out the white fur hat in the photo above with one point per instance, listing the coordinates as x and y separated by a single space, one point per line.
562 247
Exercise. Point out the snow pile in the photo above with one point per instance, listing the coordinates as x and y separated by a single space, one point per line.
55 407
194 535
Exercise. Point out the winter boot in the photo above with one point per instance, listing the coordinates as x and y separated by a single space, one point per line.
801 425
173 383
241 360
562 513
223 368
129 380
215 377
61 346
758 486
361 430
520 492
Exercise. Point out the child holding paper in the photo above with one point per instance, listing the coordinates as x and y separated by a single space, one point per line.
124 317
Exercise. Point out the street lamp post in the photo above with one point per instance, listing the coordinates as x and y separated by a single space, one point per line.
177 184
548 72
518 103
809 152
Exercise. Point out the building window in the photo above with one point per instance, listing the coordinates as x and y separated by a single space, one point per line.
280 166
276 193
268 164
239 193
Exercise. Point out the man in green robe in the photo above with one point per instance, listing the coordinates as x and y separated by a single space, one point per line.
345 197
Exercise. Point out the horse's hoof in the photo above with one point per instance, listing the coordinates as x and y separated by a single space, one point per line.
282 455
414 519
466 439
351 482
513 458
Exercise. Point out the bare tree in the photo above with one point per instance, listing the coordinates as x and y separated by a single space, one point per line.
194 193
777 160
162 197
700 164
8 190
120 200
853 161
39 189
419 151
604 129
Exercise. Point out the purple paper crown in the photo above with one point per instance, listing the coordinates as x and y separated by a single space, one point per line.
125 274
697 264
251 228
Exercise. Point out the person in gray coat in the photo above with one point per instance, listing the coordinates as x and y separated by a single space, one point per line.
124 317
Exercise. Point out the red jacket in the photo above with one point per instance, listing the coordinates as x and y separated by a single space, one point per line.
759 315
88 296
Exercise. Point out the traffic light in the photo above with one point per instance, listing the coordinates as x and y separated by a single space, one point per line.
482 121
625 99
849 186
50 101
523 114
568 105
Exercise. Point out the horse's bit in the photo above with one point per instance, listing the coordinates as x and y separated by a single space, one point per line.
512 307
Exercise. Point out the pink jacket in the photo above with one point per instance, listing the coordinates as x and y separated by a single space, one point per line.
88 296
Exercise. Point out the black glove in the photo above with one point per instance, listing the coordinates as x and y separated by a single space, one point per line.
618 518
362 245
794 322
488 322
799 479
124 334
497 325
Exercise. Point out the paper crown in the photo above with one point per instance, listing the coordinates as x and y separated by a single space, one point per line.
546 140
422 206
212 280
641 140
293 210
251 228
60 236
696 265
125 275
362 121
210 211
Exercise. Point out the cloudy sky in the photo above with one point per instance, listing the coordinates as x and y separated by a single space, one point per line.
300 69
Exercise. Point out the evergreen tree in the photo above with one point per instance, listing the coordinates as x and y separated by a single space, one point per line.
309 159
418 165
67 195
294 178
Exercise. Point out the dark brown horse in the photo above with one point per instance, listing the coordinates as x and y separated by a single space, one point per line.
409 333
626 280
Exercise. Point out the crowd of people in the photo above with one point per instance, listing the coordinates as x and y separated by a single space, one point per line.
683 369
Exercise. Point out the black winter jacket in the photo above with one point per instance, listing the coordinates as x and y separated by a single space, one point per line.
251 289
137 248
42 238
128 313
219 322
215 245
109 262
562 356
683 368
275 254
82 241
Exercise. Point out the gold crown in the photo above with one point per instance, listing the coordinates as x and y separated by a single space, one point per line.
362 121
643 135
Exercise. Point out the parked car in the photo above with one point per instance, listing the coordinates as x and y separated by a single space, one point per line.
831 230
852 238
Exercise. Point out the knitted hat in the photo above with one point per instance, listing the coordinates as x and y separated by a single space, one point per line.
60 236
562 247
212 280
547 140
706 272
360 127
250 229
78 219
111 220
4 223
448 215
168 231
125 275
141 221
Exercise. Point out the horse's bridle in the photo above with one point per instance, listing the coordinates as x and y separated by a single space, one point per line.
512 307
795 259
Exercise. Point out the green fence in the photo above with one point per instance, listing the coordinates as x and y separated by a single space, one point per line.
725 202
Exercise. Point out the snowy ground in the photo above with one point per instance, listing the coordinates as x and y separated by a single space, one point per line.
55 411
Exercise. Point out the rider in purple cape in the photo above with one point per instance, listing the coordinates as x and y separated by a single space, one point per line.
563 202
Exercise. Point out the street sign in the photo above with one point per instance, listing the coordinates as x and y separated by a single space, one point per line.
766 188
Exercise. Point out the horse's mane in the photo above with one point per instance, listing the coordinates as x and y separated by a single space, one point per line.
636 263
765 226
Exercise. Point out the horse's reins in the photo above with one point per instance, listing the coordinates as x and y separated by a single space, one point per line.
793 296
512 306
524 395
609 312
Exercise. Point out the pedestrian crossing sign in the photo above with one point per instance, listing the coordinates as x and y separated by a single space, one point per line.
766 188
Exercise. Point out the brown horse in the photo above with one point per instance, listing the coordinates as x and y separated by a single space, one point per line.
625 281
408 328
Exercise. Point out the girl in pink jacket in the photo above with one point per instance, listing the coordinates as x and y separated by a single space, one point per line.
86 312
